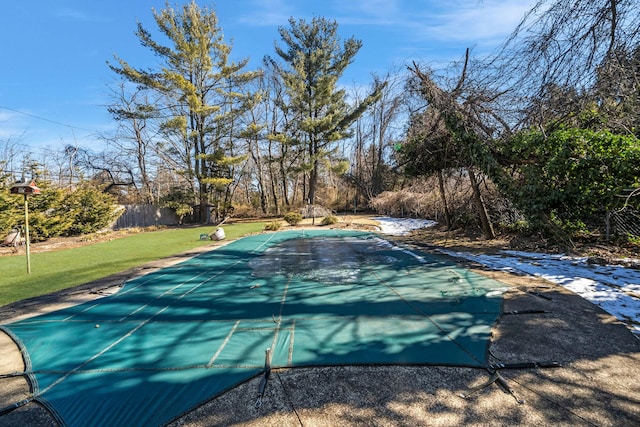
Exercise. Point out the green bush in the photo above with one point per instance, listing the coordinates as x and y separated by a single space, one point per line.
91 210
179 200
11 211
58 212
571 177
51 213
293 218
272 226
631 240
328 220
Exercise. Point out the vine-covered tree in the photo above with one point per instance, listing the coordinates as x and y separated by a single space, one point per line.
201 96
466 131
430 149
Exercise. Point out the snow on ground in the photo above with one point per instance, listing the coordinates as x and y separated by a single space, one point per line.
615 289
402 226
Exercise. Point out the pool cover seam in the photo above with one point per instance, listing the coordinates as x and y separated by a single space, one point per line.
282 303
248 320
224 344
292 334
132 369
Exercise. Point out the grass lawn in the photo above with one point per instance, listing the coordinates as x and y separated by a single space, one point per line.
56 270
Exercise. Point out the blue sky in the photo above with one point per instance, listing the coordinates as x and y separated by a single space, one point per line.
54 78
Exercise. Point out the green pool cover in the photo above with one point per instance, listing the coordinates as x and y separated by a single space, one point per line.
177 337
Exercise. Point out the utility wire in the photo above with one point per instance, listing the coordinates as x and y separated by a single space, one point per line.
46 120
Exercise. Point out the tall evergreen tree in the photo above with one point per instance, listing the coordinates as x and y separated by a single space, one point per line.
202 92
314 61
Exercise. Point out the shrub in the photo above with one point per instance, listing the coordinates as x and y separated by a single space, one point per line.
293 218
571 176
59 212
91 210
272 226
632 240
179 200
328 220
517 227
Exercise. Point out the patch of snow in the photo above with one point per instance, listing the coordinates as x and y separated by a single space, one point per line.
402 226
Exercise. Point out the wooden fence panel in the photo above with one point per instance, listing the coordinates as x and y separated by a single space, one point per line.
145 216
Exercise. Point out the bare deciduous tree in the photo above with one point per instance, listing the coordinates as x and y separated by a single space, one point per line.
562 46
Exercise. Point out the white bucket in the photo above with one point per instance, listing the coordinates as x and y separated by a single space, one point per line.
218 235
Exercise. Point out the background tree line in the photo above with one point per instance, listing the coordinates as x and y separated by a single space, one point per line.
541 135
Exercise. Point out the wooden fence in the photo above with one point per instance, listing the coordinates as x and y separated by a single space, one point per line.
145 216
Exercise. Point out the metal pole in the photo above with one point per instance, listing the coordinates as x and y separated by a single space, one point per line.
26 229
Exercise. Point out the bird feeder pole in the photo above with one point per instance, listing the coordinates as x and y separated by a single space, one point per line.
26 232
26 189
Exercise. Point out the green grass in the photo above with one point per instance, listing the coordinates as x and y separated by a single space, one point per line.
56 270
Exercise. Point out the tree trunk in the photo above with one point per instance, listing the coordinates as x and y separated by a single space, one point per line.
487 227
313 173
204 204
443 196
274 195
313 183
283 182
273 179
257 159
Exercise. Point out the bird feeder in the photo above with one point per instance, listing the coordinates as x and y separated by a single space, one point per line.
26 190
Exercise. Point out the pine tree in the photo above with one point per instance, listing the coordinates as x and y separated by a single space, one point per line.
202 92
315 59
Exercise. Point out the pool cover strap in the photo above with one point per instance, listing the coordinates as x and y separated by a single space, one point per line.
263 382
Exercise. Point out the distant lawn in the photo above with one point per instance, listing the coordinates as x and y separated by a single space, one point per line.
56 270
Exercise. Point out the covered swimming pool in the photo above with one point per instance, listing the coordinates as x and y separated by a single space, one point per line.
182 335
